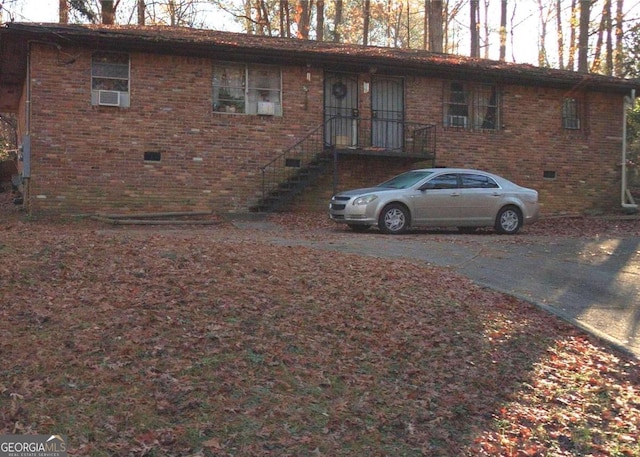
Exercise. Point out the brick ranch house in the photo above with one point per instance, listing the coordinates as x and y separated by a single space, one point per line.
134 119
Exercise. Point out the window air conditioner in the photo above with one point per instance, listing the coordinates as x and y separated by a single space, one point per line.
108 98
457 121
266 108
572 123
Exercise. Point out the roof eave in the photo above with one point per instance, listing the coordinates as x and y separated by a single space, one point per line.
321 54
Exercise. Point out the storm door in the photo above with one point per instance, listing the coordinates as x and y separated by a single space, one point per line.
387 113
341 103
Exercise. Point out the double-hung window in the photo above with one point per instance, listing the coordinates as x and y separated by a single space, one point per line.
110 79
457 107
570 114
472 106
247 89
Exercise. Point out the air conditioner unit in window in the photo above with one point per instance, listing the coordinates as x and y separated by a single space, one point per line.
266 108
457 121
108 98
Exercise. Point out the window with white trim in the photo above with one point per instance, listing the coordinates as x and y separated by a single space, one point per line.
472 106
110 79
247 89
570 114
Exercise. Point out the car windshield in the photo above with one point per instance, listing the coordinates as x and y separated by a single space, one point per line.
405 180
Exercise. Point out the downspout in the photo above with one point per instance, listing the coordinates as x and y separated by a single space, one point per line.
626 199
28 97
26 140
25 147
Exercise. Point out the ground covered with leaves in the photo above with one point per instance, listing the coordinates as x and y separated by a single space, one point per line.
210 341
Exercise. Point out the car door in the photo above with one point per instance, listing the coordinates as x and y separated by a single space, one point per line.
436 202
480 199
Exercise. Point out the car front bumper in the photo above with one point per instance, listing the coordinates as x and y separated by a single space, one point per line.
347 213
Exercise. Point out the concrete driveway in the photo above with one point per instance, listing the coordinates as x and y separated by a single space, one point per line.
591 283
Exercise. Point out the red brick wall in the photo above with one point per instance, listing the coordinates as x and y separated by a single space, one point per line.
532 141
88 159
586 162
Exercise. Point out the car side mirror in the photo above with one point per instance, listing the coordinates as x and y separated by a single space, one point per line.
424 187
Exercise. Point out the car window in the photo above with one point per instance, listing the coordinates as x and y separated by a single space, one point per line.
405 180
473 181
446 181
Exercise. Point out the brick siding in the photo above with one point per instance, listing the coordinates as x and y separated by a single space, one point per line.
88 159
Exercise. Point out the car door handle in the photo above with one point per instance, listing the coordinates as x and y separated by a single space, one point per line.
455 194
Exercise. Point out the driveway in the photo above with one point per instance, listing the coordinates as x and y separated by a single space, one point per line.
592 283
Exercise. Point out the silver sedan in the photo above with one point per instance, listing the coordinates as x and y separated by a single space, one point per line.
438 197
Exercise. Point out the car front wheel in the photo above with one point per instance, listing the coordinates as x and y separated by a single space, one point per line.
509 220
394 219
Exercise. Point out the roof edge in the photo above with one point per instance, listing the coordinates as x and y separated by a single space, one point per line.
214 43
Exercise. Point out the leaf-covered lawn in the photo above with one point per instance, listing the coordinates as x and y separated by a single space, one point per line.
212 342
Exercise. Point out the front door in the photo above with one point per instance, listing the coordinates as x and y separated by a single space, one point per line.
387 112
341 104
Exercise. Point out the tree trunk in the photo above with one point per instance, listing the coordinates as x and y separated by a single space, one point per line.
503 30
425 28
320 20
435 26
408 42
108 12
285 19
264 21
337 36
302 19
365 22
63 12
617 67
474 28
389 13
486 29
604 28
542 37
609 25
560 34
171 7
583 38
260 19
141 12
512 25
572 37
448 17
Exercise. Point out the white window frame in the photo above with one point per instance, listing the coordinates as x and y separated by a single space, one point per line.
109 89
239 89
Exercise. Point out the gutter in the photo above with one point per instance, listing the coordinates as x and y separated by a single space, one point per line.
626 199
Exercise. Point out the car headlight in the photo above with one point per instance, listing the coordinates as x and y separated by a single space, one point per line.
365 200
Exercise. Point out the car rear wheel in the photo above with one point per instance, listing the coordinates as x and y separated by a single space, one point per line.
359 227
394 219
509 220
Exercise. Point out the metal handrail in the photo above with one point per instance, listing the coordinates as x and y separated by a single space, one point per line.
295 158
287 169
